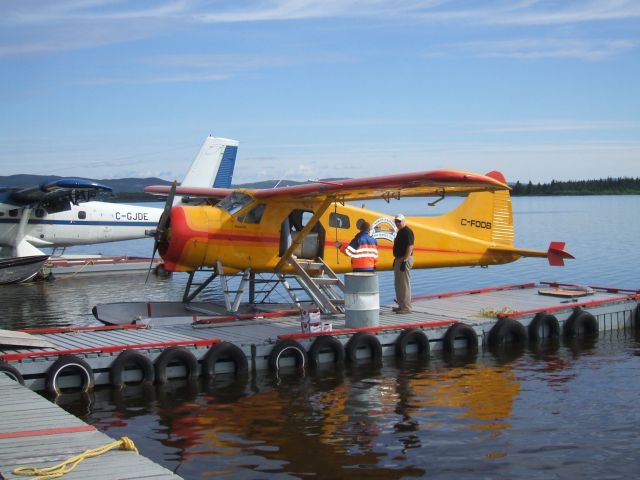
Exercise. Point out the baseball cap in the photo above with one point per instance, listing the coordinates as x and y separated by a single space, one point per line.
399 217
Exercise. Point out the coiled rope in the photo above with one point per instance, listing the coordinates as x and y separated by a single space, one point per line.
56 471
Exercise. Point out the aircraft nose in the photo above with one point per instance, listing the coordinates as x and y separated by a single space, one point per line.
185 245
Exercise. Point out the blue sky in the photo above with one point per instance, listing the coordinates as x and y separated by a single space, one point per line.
539 90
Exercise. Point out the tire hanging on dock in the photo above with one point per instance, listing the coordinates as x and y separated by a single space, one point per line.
12 372
580 323
412 335
131 357
507 331
544 326
457 331
221 352
362 339
69 362
288 347
325 343
175 355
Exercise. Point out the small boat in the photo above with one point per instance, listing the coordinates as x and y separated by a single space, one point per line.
20 269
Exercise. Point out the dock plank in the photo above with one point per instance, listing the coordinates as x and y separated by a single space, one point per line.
24 412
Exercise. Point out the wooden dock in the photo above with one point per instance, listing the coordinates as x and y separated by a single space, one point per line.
155 349
36 432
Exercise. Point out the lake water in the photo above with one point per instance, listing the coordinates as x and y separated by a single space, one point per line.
565 412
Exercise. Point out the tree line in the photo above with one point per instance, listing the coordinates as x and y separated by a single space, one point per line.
603 186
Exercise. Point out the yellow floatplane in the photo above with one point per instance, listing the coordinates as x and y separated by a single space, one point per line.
263 230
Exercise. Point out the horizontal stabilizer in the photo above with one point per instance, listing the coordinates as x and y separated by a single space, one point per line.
556 254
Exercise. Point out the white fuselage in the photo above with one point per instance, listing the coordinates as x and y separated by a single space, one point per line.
86 223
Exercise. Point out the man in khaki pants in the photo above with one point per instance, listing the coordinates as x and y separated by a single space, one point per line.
402 264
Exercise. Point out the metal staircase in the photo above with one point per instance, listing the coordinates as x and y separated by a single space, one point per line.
320 283
315 283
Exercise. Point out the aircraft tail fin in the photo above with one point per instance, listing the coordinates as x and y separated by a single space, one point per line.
486 216
213 166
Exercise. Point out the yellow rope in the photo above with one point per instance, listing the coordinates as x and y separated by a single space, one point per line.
67 466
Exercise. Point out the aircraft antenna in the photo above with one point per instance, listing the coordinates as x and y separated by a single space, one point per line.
282 178
335 212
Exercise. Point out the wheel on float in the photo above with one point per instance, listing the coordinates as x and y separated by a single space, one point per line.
362 340
131 358
544 326
409 336
460 331
12 372
67 364
326 343
174 355
580 323
287 348
222 352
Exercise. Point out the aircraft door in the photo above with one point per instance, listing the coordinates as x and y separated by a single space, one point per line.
312 245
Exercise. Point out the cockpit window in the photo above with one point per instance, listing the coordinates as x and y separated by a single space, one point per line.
254 215
235 202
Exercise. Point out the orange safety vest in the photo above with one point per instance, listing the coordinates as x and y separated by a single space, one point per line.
363 250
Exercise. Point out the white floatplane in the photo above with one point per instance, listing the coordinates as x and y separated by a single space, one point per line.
61 213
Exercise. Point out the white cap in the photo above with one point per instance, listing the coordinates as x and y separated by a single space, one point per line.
399 216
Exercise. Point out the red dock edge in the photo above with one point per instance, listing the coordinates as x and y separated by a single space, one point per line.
47 431
432 324
471 292
108 349
244 316
630 295
101 328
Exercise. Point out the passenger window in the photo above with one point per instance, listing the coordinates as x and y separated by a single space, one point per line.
40 212
82 214
13 213
254 215
337 220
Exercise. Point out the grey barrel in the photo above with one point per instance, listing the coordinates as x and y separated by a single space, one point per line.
361 300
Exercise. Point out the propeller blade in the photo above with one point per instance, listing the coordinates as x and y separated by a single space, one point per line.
153 256
163 224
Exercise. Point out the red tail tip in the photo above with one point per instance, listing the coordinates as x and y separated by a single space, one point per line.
497 176
556 254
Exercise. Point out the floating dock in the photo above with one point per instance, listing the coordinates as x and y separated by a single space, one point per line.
156 349
36 432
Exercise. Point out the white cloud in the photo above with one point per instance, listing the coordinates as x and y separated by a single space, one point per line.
39 26
535 48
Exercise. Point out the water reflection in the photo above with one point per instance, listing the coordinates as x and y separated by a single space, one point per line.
343 425
404 419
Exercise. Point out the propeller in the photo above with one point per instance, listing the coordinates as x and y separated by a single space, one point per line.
160 235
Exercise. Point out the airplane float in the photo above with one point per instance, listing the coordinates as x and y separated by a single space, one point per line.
272 230
61 214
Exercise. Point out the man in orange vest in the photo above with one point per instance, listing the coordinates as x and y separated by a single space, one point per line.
363 250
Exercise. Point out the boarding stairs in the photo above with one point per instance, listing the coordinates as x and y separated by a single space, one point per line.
313 282
320 283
